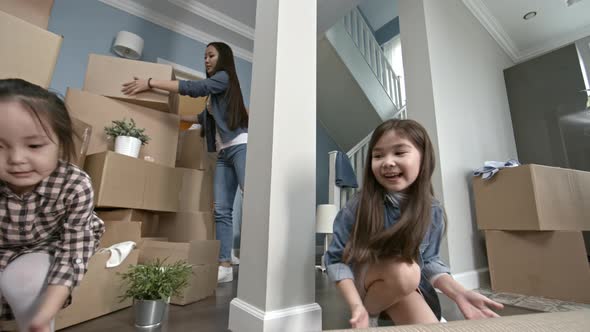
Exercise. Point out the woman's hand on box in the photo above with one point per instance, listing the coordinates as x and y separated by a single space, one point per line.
136 86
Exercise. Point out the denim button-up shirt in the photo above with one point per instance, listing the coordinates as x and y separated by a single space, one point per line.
215 118
430 262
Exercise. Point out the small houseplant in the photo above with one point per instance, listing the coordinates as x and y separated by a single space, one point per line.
128 138
151 285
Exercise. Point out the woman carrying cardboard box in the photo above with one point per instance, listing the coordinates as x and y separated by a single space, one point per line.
225 126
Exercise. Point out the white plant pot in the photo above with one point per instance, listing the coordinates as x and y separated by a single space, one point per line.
128 146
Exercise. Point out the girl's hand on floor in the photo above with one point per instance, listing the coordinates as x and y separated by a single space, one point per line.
476 306
359 317
134 87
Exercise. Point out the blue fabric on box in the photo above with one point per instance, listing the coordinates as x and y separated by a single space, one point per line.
345 176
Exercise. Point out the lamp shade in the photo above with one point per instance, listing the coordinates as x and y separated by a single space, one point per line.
128 45
325 215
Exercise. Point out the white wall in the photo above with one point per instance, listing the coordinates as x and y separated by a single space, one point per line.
455 87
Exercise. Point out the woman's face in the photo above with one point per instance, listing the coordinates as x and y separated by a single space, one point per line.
211 56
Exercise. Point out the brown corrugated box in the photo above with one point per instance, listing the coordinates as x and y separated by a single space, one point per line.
149 220
534 197
82 135
203 255
28 51
196 193
124 182
100 111
98 293
118 231
202 284
192 151
105 76
36 12
550 264
198 252
186 226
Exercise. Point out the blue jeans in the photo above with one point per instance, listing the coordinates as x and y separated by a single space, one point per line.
229 173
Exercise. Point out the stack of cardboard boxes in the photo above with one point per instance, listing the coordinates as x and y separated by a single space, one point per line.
533 217
172 206
141 199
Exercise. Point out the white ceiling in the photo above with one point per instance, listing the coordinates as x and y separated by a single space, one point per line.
231 21
554 26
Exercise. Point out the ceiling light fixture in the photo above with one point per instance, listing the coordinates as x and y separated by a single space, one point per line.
529 15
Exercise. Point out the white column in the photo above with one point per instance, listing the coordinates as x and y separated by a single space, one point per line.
276 288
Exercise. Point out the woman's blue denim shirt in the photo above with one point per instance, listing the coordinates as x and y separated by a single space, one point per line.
215 118
430 262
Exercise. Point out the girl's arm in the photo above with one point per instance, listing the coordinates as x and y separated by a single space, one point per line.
79 239
339 271
473 305
215 84
141 84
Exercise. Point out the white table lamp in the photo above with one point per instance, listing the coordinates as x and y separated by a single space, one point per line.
325 215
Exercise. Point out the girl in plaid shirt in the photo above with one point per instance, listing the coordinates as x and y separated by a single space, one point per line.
48 230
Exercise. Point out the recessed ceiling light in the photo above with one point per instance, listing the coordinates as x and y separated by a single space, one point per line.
529 15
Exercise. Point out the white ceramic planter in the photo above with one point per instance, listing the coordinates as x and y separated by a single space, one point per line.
128 146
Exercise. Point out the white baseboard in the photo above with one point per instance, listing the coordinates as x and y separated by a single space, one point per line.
474 279
244 317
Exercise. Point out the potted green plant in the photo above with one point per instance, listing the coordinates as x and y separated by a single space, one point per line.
128 138
151 285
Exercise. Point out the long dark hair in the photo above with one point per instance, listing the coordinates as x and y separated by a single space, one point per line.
238 116
43 105
369 242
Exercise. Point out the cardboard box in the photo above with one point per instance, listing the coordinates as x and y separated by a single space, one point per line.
144 240
120 181
105 76
36 12
98 293
149 220
117 232
192 151
196 193
202 284
186 226
82 135
550 264
100 111
196 252
534 197
27 51
203 255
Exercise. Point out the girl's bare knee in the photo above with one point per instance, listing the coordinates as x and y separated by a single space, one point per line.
403 276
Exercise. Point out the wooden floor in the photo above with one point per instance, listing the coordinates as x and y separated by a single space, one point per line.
211 314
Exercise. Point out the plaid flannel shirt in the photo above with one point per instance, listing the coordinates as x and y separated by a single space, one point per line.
56 218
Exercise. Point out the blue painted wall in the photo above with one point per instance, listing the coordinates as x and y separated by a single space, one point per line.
89 26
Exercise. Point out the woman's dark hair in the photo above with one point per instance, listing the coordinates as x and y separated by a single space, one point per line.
43 105
238 116
369 241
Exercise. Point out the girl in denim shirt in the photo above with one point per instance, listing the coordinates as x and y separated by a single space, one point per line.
384 256
225 124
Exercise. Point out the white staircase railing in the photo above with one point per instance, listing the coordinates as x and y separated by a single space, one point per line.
357 156
363 38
